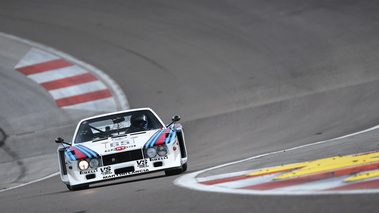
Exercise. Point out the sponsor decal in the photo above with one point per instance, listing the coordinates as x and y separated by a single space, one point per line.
159 158
142 163
125 174
119 142
106 170
120 148
120 139
88 172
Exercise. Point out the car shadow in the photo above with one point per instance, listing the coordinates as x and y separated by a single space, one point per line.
127 180
120 181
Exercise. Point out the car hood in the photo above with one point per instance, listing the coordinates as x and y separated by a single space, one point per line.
115 144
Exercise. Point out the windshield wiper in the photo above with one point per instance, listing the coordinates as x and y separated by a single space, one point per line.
96 129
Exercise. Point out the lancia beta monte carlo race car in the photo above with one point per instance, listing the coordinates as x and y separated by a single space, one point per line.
121 144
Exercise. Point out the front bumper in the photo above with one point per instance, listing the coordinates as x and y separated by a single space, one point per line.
72 175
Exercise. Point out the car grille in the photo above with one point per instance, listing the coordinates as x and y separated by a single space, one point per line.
122 157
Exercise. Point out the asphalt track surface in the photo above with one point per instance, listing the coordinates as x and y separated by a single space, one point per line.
247 77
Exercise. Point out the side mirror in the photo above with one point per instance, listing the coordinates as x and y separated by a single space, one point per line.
59 140
176 118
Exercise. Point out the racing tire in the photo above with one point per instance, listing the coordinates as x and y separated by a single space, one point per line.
184 167
77 187
171 172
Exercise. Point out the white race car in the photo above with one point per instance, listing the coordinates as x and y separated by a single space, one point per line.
121 144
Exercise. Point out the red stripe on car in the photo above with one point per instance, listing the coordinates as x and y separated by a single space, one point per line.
162 138
80 155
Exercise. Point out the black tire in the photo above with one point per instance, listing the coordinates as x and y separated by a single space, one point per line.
171 172
77 187
184 167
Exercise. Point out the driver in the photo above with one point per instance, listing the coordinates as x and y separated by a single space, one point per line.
138 123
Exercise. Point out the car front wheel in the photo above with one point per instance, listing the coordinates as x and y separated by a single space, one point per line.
180 170
77 187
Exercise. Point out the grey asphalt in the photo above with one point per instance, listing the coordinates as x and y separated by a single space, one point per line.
247 77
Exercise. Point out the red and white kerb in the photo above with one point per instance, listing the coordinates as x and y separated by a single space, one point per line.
70 85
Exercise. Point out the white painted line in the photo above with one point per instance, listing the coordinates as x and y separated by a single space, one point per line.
35 56
247 182
226 175
315 185
25 184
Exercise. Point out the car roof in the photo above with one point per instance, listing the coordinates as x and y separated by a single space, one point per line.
118 112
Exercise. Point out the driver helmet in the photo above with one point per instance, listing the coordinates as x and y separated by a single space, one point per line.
139 122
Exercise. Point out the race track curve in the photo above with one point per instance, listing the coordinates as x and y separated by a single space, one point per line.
248 77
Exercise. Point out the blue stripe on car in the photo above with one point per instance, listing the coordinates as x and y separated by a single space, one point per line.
153 139
167 139
67 156
171 137
87 151
71 156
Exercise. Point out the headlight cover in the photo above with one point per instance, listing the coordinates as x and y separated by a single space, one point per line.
151 152
94 163
83 165
162 150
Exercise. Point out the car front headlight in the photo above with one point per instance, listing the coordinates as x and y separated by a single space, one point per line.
94 162
162 150
151 152
83 165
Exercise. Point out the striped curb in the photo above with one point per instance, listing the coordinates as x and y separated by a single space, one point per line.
72 83
354 174
358 173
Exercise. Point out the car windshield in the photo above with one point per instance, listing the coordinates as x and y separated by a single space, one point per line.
116 125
